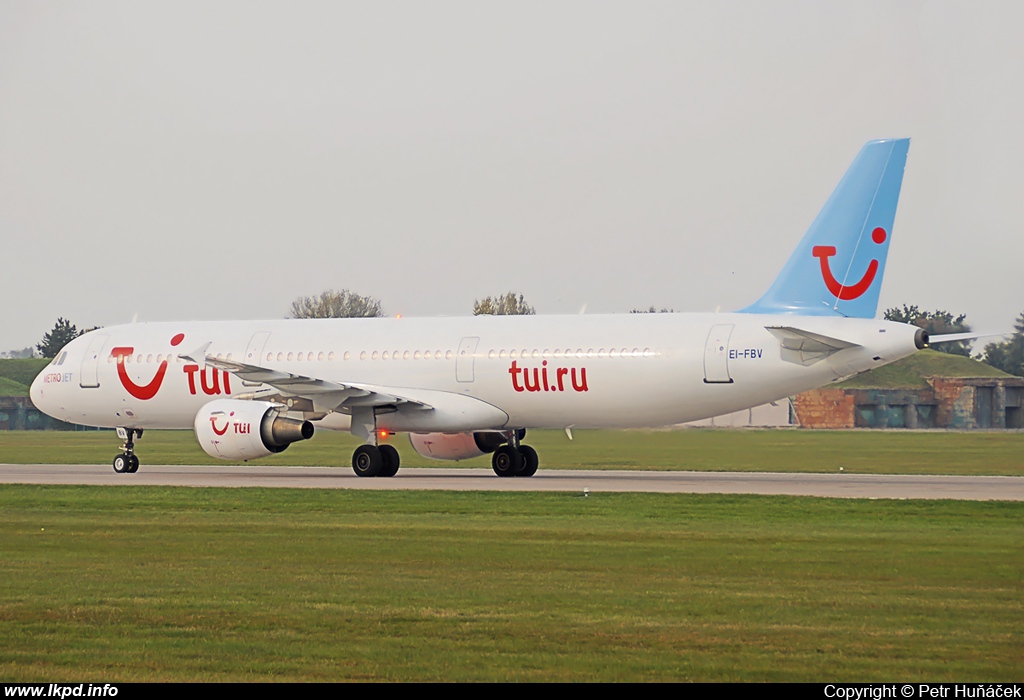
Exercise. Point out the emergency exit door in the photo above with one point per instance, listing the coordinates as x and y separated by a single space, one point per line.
464 360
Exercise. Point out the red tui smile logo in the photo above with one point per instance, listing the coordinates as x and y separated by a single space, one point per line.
143 392
227 423
837 288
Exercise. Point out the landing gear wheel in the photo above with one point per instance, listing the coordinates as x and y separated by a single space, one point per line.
127 462
367 461
530 460
389 455
507 461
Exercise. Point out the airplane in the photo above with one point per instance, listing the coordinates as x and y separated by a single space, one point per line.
467 387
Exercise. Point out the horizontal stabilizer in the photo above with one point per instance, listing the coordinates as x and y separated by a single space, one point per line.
956 337
806 347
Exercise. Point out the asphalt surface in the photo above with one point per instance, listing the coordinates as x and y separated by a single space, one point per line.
972 488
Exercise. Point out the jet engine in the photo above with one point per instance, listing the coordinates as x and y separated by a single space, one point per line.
456 446
243 430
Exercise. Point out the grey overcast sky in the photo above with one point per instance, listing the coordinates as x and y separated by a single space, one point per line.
198 160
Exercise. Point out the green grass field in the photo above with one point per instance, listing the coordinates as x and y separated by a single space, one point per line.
251 584
910 372
108 584
857 451
16 375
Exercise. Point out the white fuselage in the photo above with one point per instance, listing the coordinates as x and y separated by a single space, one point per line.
617 371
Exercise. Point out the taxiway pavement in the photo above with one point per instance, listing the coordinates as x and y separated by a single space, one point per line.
974 488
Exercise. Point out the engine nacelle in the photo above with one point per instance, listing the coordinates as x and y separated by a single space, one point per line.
243 430
456 446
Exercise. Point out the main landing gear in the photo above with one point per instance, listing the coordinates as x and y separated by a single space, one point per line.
371 460
127 462
510 458
514 459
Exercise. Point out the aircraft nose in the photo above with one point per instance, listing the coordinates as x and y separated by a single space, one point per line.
35 392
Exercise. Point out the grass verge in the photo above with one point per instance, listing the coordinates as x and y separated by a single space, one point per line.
107 584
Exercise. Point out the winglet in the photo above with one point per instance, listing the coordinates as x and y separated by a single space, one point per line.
837 268
198 355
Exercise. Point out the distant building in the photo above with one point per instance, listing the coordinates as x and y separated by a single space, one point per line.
928 390
770 415
952 403
18 413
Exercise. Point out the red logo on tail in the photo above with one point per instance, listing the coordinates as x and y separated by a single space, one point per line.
837 288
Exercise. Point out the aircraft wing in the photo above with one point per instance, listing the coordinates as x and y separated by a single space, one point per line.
319 395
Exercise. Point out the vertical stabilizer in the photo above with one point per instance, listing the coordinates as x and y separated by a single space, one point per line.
838 266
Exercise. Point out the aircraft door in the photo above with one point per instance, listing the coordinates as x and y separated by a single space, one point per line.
90 374
716 355
254 352
465 358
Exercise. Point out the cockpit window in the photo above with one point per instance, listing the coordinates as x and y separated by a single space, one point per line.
63 356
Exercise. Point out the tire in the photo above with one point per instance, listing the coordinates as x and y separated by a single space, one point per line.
133 464
507 461
530 460
121 464
391 460
367 461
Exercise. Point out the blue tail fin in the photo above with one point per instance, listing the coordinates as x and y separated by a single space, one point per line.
838 266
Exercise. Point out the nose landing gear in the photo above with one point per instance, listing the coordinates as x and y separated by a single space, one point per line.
127 462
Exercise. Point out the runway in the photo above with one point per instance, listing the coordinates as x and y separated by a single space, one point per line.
971 488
